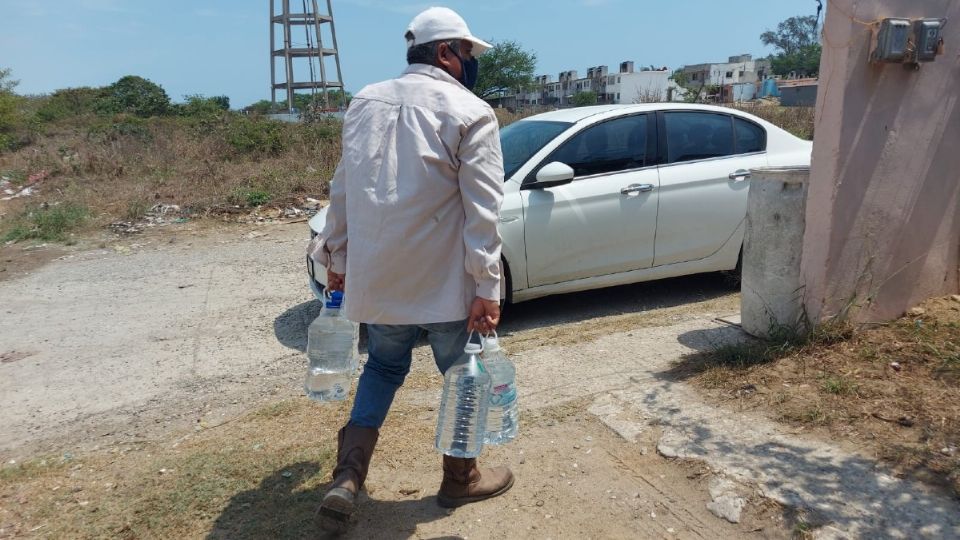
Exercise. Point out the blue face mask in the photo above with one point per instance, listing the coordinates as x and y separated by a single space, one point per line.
470 70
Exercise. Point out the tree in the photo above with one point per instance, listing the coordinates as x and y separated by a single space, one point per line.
797 42
264 106
582 99
198 105
505 67
335 99
6 83
135 95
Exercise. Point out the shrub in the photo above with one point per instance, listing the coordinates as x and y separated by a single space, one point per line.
582 99
200 106
249 136
50 223
119 127
322 130
9 111
250 196
69 102
264 106
257 197
134 95
10 117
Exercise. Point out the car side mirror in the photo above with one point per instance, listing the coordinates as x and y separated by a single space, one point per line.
553 174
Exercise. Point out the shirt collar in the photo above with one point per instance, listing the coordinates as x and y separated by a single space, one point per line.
433 72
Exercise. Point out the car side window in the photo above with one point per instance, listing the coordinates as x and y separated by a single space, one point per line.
697 135
615 145
750 137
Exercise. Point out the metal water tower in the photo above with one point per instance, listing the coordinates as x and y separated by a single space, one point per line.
300 58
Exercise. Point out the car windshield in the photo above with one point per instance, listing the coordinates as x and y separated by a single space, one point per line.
521 140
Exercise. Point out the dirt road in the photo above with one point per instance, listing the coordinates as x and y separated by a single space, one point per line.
168 336
163 331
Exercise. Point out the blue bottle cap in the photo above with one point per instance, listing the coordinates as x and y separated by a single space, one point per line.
336 300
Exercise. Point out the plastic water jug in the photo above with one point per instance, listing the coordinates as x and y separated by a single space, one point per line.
463 408
503 416
332 352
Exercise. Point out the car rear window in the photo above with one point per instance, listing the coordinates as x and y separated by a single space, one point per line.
697 135
750 137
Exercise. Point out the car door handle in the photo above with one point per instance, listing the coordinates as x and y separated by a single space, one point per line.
509 219
636 188
739 175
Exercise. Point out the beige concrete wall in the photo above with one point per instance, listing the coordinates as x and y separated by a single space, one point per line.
883 211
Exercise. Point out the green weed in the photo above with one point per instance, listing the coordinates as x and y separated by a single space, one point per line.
838 386
52 223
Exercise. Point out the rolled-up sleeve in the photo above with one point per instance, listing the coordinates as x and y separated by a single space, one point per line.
481 188
335 230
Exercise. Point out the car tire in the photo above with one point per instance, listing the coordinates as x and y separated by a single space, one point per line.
734 277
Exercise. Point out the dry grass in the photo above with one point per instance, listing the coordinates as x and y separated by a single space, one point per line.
505 117
118 168
258 477
796 120
892 389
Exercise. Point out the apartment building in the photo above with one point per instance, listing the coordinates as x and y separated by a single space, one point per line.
624 86
737 69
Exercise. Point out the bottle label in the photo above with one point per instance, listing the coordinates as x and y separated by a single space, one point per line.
503 394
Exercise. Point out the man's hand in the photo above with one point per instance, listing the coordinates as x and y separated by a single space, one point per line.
484 316
335 281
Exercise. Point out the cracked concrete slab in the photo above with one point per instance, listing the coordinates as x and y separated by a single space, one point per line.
726 500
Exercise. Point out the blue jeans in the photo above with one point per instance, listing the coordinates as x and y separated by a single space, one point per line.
390 349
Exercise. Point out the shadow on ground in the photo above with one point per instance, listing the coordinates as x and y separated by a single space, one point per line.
280 508
290 327
627 299
706 344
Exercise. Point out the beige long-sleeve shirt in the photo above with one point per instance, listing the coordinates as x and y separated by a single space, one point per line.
415 201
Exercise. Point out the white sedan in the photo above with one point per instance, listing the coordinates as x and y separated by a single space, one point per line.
610 195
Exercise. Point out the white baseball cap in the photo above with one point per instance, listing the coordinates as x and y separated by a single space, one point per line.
440 23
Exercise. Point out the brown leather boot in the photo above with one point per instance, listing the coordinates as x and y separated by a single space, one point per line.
464 483
354 450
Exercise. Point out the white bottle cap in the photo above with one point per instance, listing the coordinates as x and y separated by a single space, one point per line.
473 348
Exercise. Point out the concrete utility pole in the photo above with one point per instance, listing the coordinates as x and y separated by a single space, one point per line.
309 54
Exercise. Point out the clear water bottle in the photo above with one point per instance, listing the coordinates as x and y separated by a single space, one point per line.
503 418
464 406
332 351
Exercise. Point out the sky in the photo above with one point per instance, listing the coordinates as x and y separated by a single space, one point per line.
220 47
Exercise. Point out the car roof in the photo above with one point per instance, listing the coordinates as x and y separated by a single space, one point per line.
579 114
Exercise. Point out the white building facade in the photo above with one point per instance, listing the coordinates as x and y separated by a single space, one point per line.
625 86
738 69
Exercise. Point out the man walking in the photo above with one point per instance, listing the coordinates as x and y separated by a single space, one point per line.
411 238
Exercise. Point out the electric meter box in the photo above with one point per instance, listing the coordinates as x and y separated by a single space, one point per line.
892 39
927 34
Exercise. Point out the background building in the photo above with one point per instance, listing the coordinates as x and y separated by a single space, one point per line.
738 69
625 86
